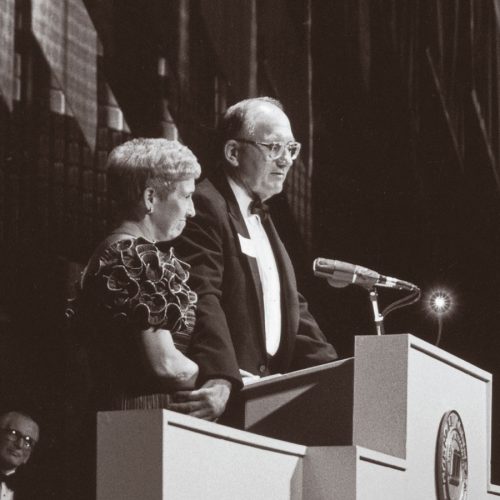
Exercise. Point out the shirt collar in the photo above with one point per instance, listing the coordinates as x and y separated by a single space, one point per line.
242 197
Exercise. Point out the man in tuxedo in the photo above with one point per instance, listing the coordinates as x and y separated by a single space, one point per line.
251 320
19 434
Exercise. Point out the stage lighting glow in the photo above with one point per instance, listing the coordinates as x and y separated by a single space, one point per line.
440 302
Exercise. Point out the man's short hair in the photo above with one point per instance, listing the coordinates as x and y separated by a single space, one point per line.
24 413
141 163
237 117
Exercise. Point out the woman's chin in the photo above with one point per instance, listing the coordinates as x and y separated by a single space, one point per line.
174 232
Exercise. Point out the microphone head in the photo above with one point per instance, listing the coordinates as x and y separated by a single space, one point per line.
322 268
326 268
340 274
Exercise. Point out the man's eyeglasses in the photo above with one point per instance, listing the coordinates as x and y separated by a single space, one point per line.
277 148
27 442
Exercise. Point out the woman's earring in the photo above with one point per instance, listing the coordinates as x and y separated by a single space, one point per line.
149 210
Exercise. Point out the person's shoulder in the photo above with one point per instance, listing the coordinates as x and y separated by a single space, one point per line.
115 238
102 250
209 194
207 188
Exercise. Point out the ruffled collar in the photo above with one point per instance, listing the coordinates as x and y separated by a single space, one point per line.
145 285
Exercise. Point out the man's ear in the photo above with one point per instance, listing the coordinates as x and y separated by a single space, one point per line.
148 199
231 152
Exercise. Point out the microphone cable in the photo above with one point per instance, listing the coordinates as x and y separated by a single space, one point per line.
410 299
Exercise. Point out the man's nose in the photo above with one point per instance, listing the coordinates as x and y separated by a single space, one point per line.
285 160
18 443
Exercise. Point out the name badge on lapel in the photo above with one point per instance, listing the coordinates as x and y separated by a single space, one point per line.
247 246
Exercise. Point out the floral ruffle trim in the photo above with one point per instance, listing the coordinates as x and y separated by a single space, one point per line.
144 285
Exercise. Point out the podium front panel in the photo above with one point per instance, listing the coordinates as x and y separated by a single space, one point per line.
158 454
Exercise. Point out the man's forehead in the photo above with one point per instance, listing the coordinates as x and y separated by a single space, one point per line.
263 111
266 118
20 422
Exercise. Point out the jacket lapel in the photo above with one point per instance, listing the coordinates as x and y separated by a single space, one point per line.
240 235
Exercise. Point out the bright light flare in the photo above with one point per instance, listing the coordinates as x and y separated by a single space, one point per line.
440 302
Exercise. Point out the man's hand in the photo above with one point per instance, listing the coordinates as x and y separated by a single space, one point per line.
207 402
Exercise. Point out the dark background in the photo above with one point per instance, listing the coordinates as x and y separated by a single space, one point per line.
404 178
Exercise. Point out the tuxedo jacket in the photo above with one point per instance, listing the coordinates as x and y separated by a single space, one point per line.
30 487
229 332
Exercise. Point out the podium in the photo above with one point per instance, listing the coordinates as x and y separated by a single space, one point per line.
402 420
311 407
159 454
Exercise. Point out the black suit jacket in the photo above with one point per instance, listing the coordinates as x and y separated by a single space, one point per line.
28 487
229 332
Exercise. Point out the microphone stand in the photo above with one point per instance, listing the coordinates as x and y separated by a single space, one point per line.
377 317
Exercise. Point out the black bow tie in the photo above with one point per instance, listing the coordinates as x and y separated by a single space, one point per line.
10 480
259 208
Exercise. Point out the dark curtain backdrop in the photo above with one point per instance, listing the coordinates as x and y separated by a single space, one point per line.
406 167
396 103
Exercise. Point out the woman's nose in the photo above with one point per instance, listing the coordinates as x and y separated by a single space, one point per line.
191 211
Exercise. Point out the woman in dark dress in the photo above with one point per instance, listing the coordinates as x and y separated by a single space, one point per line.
135 304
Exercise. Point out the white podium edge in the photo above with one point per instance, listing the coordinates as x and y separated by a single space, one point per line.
230 434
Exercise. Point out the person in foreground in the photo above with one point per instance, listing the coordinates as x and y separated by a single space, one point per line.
134 297
19 434
251 320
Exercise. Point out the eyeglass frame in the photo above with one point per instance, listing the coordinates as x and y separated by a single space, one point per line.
282 144
13 435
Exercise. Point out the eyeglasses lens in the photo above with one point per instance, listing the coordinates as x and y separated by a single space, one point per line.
278 148
15 436
293 149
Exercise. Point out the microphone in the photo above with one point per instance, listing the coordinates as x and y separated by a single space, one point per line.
340 274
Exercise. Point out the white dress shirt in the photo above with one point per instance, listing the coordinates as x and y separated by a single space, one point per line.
5 492
260 248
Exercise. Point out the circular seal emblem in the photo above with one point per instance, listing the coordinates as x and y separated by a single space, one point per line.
451 458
